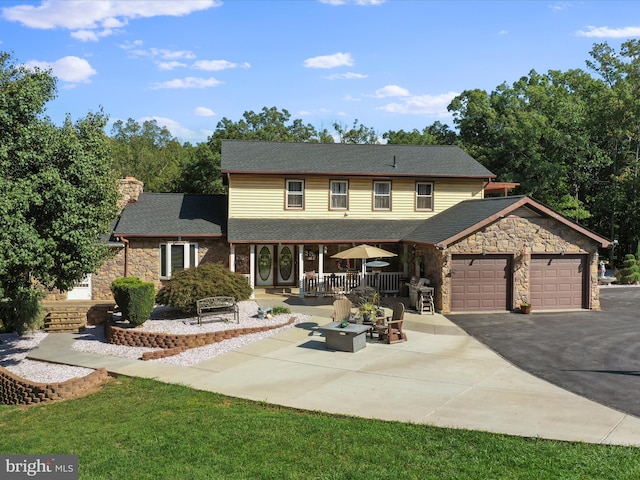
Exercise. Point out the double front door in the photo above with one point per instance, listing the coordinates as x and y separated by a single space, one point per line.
275 265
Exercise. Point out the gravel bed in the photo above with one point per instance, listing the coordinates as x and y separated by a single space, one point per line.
14 349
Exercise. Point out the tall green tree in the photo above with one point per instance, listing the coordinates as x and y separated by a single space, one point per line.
618 121
270 125
200 171
437 133
535 132
57 194
358 134
148 152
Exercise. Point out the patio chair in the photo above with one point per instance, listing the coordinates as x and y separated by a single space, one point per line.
341 309
391 331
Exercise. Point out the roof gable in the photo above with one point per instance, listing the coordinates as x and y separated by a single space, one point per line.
349 159
470 216
174 214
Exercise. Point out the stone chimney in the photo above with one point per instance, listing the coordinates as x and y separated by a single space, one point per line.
130 188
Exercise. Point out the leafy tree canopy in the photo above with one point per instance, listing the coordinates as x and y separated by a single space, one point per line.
57 193
270 125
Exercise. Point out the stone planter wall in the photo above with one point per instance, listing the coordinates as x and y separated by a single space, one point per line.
15 390
171 344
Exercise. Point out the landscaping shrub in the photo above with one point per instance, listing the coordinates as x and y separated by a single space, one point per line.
135 298
206 280
279 310
630 274
22 313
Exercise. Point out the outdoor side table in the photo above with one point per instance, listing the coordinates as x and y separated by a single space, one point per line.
351 338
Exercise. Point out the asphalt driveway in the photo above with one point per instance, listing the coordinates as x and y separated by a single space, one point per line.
593 354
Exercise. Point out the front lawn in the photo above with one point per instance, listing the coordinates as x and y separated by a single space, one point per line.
141 429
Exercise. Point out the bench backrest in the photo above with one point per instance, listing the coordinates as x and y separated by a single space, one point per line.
213 302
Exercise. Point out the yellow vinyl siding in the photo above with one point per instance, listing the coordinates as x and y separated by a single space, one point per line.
252 196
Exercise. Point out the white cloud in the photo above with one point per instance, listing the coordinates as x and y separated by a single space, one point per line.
422 104
102 17
204 112
346 76
188 82
391 91
330 61
606 32
560 6
217 65
177 130
170 65
68 69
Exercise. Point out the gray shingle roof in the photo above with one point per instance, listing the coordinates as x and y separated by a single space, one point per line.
260 230
348 159
460 218
174 214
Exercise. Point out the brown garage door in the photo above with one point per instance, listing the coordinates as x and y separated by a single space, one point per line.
557 281
480 283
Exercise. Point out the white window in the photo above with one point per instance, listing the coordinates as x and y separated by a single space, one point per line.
339 194
382 195
424 196
295 194
177 256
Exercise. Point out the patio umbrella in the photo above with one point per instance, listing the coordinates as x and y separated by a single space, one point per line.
364 251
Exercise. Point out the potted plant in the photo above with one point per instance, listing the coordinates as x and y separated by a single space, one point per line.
525 307
368 311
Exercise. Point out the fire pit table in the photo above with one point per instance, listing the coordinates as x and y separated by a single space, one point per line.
351 338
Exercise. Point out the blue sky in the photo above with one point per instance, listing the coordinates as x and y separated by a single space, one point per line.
390 64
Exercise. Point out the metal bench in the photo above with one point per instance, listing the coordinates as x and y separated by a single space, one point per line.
215 306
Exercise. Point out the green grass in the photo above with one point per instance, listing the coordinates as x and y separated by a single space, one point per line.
140 429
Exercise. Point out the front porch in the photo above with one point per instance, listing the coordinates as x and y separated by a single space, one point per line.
310 270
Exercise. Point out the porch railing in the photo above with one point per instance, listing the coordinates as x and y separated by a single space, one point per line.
333 283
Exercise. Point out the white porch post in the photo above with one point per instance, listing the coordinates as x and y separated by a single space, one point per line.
301 270
252 269
405 264
232 258
320 262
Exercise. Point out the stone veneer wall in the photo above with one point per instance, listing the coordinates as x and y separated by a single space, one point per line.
15 390
521 236
101 280
172 344
144 256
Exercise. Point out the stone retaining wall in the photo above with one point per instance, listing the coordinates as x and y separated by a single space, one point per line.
172 344
15 390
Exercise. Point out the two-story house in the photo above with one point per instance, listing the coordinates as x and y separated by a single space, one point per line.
292 206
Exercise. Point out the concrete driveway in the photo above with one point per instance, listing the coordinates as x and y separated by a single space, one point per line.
593 354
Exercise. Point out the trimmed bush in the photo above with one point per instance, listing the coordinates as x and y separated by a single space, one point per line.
135 298
278 310
206 280
22 313
630 274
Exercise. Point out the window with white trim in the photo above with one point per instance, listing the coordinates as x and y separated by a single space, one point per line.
424 196
339 194
295 194
382 195
176 256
